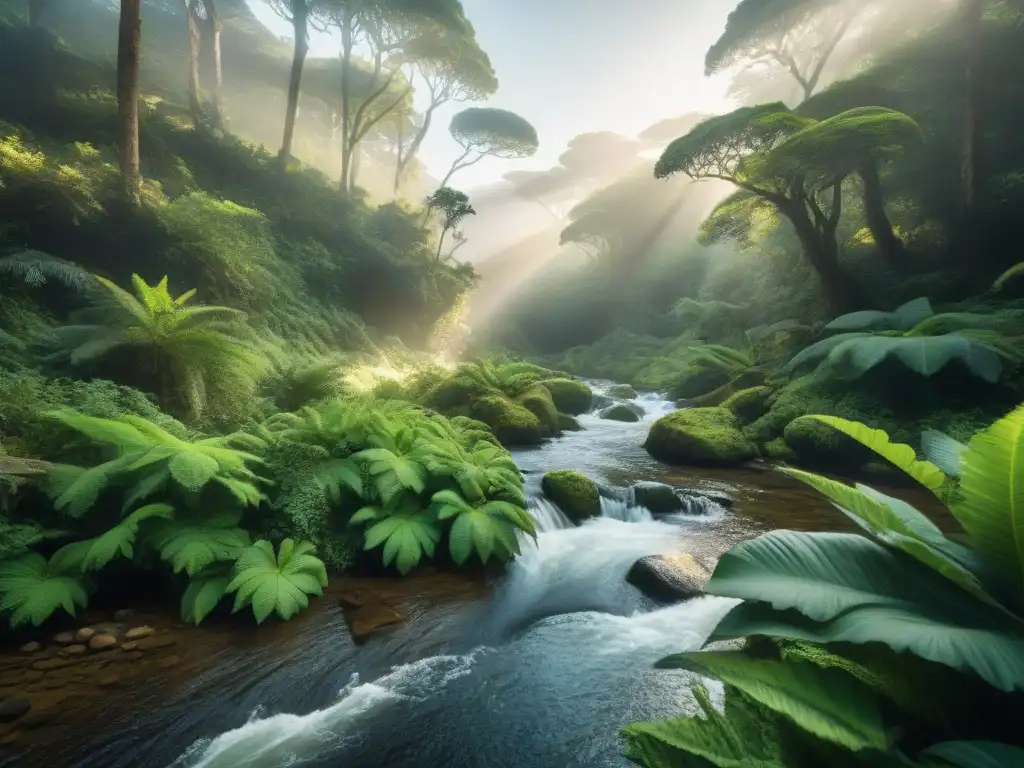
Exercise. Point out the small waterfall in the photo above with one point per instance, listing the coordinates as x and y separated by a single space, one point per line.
626 511
547 515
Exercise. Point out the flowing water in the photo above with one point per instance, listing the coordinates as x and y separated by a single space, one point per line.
543 672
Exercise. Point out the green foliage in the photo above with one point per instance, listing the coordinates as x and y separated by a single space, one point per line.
853 607
903 318
496 132
32 589
575 494
193 354
277 584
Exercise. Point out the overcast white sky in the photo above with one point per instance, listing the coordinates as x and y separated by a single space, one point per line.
574 66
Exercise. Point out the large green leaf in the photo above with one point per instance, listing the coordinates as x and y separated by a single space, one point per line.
406 538
393 474
990 504
974 754
743 736
204 591
991 651
826 702
899 525
277 584
925 355
192 546
821 349
31 589
943 451
903 318
900 455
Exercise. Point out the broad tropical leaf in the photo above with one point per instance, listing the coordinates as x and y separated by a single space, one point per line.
1016 269
903 318
31 589
925 355
392 473
943 451
205 589
337 474
406 535
900 455
990 504
826 702
974 754
991 651
277 584
821 349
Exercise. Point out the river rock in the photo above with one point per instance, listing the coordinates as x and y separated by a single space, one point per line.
103 642
623 391
620 412
663 499
669 578
129 646
12 709
363 622
31 647
64 638
84 634
75 650
700 436
575 494
137 633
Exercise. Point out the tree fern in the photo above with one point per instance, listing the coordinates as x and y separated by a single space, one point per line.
96 553
481 529
405 529
36 267
32 589
277 584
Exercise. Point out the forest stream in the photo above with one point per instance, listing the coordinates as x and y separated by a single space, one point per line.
540 670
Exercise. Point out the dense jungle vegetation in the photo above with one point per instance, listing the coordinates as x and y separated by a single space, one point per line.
228 375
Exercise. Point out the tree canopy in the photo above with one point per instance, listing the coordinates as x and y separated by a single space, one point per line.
490 132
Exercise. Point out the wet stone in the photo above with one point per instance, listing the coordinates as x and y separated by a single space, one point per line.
31 647
137 633
74 650
129 646
48 664
64 638
12 709
84 634
103 642
156 641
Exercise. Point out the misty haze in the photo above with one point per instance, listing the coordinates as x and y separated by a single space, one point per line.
511 383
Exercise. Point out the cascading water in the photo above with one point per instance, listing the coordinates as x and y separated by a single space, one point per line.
547 515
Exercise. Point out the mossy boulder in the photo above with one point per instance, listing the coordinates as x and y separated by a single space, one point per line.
512 423
778 450
749 404
719 396
700 436
620 412
537 400
575 494
699 379
623 392
455 392
817 444
569 423
570 396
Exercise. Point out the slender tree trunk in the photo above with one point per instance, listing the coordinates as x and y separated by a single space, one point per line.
821 251
440 242
194 104
35 11
212 32
414 147
974 11
890 246
354 166
300 25
129 42
346 95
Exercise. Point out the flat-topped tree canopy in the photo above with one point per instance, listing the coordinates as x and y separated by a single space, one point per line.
495 132
453 63
753 25
717 148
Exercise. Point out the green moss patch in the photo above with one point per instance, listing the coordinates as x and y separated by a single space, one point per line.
576 495
701 436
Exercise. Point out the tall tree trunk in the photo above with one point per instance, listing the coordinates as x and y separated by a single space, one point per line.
212 33
35 11
974 11
300 25
821 251
890 246
414 147
129 41
194 104
440 242
346 103
354 166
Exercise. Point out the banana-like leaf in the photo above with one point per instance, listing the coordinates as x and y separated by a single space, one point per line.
943 451
924 355
821 349
826 702
900 455
1016 269
986 648
974 754
990 504
903 318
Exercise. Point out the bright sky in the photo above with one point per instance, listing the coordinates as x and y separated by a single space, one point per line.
575 66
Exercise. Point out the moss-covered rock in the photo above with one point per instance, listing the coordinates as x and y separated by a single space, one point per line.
749 404
455 392
576 495
570 396
701 436
623 391
569 423
815 443
699 379
778 450
620 412
537 400
512 423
